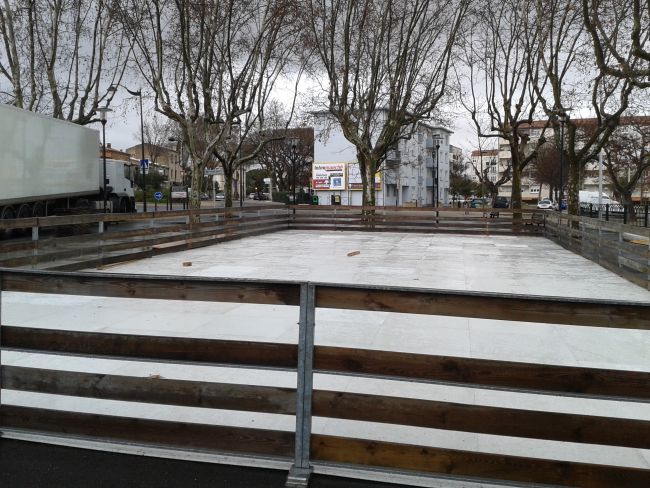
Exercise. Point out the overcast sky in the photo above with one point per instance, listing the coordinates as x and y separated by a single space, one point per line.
123 126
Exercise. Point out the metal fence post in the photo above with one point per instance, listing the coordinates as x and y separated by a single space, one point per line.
1 277
301 469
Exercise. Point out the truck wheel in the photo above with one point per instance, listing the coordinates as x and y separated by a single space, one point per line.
115 203
7 213
38 210
24 211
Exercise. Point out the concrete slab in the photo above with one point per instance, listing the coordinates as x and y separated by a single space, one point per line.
527 265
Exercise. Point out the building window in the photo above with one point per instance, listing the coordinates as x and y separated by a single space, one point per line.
534 189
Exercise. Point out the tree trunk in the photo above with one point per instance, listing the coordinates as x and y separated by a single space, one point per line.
227 188
574 188
369 194
197 187
628 205
515 196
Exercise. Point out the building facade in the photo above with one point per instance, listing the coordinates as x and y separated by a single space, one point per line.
415 173
162 159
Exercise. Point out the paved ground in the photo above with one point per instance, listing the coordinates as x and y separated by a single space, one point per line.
527 265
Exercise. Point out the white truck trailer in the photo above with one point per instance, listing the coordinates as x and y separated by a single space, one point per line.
50 166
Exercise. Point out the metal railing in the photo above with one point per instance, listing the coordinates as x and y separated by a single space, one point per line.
303 450
638 215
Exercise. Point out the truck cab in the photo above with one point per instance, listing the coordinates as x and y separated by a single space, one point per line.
119 185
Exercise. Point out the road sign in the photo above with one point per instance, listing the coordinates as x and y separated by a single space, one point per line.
144 163
158 195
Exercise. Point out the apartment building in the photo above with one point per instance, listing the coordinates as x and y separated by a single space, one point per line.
415 173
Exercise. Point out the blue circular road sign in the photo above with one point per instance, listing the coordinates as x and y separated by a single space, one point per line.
158 195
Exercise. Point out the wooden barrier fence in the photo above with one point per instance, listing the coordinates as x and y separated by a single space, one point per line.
109 242
103 239
306 451
405 219
623 249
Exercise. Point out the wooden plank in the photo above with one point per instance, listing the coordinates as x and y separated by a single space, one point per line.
482 419
485 372
150 287
153 432
474 464
261 354
519 308
18 223
266 399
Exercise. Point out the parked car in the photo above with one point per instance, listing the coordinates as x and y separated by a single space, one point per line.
478 202
220 196
502 202
563 205
545 204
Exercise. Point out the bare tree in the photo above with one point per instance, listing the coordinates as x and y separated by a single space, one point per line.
565 58
387 67
157 131
59 57
628 157
498 76
212 66
546 169
288 157
620 32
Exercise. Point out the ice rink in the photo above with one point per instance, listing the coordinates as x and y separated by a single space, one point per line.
520 265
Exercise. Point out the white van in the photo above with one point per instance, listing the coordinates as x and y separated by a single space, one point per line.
591 197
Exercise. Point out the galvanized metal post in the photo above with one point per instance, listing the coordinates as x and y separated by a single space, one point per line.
301 469
1 346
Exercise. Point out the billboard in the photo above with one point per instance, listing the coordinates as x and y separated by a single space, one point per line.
354 178
328 176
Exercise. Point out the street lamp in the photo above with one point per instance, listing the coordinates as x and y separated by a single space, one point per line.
293 142
103 112
436 187
138 93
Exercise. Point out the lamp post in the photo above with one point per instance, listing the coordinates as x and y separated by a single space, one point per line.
294 141
562 117
103 112
138 93
436 187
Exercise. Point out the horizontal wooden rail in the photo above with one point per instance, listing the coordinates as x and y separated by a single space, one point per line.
474 464
266 399
150 287
152 432
482 419
487 373
255 354
519 308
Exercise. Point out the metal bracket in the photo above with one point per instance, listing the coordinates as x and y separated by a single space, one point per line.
298 477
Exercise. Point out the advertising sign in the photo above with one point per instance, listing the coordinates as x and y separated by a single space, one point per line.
354 178
328 176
